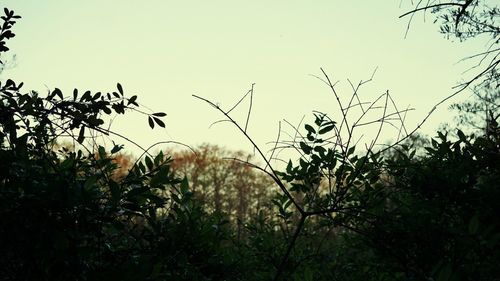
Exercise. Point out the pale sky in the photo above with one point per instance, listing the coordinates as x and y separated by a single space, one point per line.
166 51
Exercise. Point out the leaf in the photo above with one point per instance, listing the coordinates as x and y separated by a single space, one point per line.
461 136
303 163
310 137
86 96
96 96
142 168
326 129
306 148
90 182
159 114
151 122
159 122
289 167
434 143
160 178
120 89
106 110
159 158
132 101
315 159
351 150
81 135
310 129
149 162
116 148
118 108
75 94
184 186
58 93
102 152
321 150
442 136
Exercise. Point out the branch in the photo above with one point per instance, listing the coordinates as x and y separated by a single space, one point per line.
290 247
275 176
430 7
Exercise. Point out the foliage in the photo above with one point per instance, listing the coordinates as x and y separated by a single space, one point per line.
480 113
440 224
464 20
64 214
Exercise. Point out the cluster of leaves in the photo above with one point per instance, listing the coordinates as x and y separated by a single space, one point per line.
430 216
9 19
439 216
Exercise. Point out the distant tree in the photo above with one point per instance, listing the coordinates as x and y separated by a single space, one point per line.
222 184
481 112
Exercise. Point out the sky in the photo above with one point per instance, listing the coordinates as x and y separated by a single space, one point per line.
165 51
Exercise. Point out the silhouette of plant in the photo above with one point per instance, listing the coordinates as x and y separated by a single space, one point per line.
66 215
329 180
466 20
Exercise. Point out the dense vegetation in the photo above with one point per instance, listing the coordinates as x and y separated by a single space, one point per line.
418 211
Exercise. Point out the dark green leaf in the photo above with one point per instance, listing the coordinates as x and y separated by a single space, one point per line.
120 89
86 96
289 167
326 129
306 148
149 162
159 114
351 150
96 96
184 186
461 136
151 122
159 122
58 93
132 101
106 110
81 135
321 150
116 148
310 129
102 152
75 94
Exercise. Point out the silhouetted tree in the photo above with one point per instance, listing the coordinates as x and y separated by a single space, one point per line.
464 20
